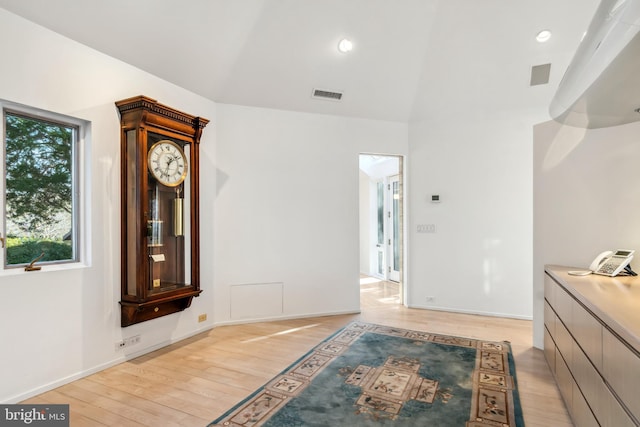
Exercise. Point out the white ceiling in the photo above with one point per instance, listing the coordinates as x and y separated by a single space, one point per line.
412 59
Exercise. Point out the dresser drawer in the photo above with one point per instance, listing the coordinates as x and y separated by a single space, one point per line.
565 381
550 351
580 411
621 368
564 306
550 319
604 405
564 343
550 287
588 332
589 382
615 416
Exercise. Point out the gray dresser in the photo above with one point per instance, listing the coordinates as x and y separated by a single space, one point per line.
592 345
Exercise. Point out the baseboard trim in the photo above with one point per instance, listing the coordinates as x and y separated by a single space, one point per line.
285 317
478 313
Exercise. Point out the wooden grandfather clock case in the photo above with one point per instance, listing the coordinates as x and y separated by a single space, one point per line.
160 226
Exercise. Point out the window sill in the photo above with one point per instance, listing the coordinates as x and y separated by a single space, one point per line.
18 271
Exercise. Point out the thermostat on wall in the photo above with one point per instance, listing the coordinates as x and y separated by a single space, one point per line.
435 198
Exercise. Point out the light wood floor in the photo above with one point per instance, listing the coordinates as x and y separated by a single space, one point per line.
193 382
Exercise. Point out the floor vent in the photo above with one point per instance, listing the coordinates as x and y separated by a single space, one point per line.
326 94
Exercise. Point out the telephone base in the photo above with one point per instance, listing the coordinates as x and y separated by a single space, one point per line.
580 272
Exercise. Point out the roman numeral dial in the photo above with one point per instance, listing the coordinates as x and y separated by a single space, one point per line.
167 163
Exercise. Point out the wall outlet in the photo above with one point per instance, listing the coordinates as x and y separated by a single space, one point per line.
128 342
202 318
431 299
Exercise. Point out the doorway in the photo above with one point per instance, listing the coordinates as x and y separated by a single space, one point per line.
381 219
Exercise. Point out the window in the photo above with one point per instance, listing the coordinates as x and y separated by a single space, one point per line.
40 191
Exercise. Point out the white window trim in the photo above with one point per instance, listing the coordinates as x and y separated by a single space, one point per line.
80 177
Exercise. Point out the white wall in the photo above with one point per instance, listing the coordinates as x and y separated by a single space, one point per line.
585 198
58 325
479 258
287 209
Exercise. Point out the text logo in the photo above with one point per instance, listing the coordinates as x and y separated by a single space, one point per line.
34 415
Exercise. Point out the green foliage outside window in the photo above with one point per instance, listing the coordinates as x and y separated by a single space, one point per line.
22 251
38 189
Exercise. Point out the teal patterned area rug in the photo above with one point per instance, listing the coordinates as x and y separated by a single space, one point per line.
372 375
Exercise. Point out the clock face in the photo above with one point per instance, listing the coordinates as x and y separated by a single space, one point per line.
167 163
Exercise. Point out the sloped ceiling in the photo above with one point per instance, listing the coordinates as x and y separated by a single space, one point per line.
412 59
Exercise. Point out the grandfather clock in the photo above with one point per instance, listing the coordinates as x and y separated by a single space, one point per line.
159 152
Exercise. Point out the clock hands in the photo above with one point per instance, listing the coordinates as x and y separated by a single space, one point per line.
170 160
171 165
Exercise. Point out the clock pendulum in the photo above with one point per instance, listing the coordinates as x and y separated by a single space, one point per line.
178 224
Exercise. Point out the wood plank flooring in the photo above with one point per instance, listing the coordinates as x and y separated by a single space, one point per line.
193 382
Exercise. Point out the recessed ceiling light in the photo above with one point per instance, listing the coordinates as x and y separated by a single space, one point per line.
543 36
345 46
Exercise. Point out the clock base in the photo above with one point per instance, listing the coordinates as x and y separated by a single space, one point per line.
133 312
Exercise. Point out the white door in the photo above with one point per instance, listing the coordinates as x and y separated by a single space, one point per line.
394 240
380 231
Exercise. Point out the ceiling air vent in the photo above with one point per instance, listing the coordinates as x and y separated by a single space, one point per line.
540 74
326 94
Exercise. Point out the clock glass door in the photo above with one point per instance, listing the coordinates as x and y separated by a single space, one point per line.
167 237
